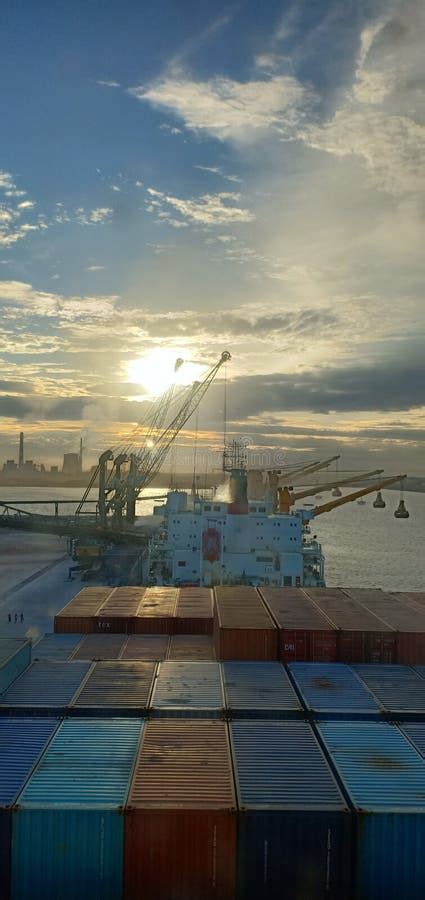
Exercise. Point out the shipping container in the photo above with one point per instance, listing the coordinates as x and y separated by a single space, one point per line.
333 690
155 614
115 689
416 596
57 647
194 611
180 840
68 831
362 636
407 620
399 689
148 647
415 731
385 780
79 615
259 690
243 628
100 646
305 634
15 656
191 646
294 823
45 688
120 608
22 741
188 689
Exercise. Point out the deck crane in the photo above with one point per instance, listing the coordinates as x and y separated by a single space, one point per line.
274 475
332 504
287 498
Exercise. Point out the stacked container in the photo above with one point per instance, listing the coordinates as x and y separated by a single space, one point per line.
68 831
21 743
333 690
191 646
45 688
145 646
243 628
116 689
180 837
294 825
304 632
399 689
408 620
385 780
362 636
56 647
119 610
259 690
100 646
194 611
79 615
15 656
156 610
188 689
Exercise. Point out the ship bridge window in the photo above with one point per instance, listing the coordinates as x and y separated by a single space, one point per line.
181 562
217 508
261 509
207 508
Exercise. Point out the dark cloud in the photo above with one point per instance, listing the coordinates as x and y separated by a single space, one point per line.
224 324
14 407
18 387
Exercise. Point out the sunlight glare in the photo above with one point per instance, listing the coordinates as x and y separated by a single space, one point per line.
156 371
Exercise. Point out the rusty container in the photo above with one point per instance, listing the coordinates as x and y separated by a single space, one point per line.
243 627
305 633
100 646
180 823
155 613
148 647
79 615
120 608
191 647
405 616
194 611
362 635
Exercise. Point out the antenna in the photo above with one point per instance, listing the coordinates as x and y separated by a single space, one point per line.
225 417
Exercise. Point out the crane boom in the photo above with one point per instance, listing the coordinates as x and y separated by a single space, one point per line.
327 507
332 484
313 467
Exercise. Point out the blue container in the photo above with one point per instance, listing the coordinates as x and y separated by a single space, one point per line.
415 731
116 689
385 781
68 834
45 688
189 689
57 647
21 743
259 690
399 689
333 690
294 824
15 656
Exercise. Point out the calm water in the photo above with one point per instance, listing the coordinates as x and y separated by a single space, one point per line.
364 547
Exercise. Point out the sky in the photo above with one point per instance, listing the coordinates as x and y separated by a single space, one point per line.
179 178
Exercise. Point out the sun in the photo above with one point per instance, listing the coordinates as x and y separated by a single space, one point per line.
158 369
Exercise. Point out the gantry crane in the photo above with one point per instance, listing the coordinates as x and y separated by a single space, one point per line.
287 498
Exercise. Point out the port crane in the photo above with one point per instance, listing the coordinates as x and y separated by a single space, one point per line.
348 498
287 497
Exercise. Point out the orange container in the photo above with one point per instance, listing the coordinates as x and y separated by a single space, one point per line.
194 611
305 634
363 636
149 647
404 615
100 646
156 610
243 628
119 609
180 823
79 615
191 646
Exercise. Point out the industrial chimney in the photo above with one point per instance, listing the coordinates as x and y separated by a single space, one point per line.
21 450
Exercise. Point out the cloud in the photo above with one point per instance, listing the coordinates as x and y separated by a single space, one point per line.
26 204
111 84
227 109
217 170
209 209
94 216
24 299
94 268
171 129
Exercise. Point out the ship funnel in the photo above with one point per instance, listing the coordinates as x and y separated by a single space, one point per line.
238 487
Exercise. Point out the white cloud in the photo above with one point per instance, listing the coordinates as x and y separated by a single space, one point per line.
26 204
94 268
217 170
172 129
111 84
227 109
209 209
23 298
93 216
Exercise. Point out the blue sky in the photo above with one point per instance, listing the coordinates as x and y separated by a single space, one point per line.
193 176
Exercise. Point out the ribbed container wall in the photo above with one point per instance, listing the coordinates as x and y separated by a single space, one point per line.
56 647
181 822
407 620
385 779
305 634
115 689
146 647
333 690
191 647
45 688
294 824
194 611
188 689
15 656
362 636
259 690
100 646
22 741
68 831
120 608
155 614
243 628
415 731
79 615
399 689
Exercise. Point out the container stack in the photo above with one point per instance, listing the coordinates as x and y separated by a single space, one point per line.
80 614
305 633
243 628
362 636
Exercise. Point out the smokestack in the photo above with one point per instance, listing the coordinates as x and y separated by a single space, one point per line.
21 450
81 454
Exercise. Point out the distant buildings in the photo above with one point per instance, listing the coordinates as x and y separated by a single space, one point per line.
72 465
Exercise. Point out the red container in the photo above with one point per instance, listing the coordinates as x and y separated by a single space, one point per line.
180 824
156 610
191 646
362 635
305 634
79 615
405 616
149 647
194 611
243 628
